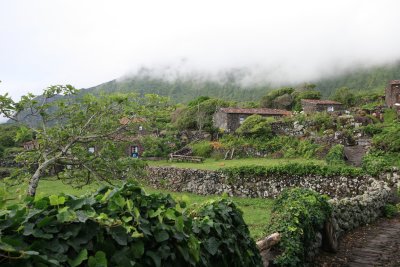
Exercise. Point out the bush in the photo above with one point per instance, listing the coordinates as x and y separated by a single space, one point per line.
159 146
297 214
390 116
323 121
374 163
256 126
389 139
292 169
123 227
390 210
335 155
202 149
225 238
373 129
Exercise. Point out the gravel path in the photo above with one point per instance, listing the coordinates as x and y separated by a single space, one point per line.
377 244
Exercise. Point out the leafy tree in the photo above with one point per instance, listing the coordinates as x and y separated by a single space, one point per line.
255 126
308 94
199 117
345 96
70 125
23 134
7 135
280 98
198 100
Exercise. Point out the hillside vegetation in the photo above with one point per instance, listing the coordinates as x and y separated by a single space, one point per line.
184 89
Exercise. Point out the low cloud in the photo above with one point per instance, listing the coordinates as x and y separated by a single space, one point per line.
86 43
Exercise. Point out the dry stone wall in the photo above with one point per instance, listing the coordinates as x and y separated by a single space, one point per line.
205 182
351 212
356 201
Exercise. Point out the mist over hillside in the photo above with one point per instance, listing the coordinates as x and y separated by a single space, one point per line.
237 84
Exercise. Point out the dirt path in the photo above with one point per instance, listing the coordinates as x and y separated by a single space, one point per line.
377 244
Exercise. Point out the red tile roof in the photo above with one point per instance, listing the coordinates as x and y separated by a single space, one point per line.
394 82
261 111
321 102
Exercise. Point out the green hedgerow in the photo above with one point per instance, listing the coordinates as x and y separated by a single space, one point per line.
297 214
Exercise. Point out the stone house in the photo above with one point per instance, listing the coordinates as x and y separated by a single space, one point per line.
31 145
317 105
229 119
132 145
392 94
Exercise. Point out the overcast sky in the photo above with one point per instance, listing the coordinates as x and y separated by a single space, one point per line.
85 42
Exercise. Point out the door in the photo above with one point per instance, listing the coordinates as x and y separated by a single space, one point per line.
134 151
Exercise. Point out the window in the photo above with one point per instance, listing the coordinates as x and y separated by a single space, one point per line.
241 119
331 108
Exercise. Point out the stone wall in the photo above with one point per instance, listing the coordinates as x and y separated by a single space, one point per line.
355 201
351 212
9 163
206 182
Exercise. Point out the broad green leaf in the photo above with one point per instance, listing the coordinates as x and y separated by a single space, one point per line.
211 245
137 249
53 200
129 204
155 257
170 214
194 247
179 223
79 258
161 236
99 260
119 234
66 215
46 220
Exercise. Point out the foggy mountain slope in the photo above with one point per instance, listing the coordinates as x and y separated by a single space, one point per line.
361 79
186 88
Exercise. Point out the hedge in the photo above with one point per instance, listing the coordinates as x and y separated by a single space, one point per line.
123 226
292 169
297 214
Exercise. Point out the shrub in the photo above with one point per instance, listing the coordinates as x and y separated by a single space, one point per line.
335 155
225 238
388 139
390 116
390 210
322 121
374 163
297 215
123 227
372 129
202 149
292 169
256 126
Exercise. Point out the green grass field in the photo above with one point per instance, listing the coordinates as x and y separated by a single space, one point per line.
256 211
211 164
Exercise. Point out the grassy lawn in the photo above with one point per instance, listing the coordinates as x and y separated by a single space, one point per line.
256 211
211 164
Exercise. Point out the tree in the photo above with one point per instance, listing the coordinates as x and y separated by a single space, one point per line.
199 116
308 94
256 126
68 125
280 98
344 96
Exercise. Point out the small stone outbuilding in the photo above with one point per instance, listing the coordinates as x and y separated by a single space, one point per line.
317 105
229 119
31 145
392 94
